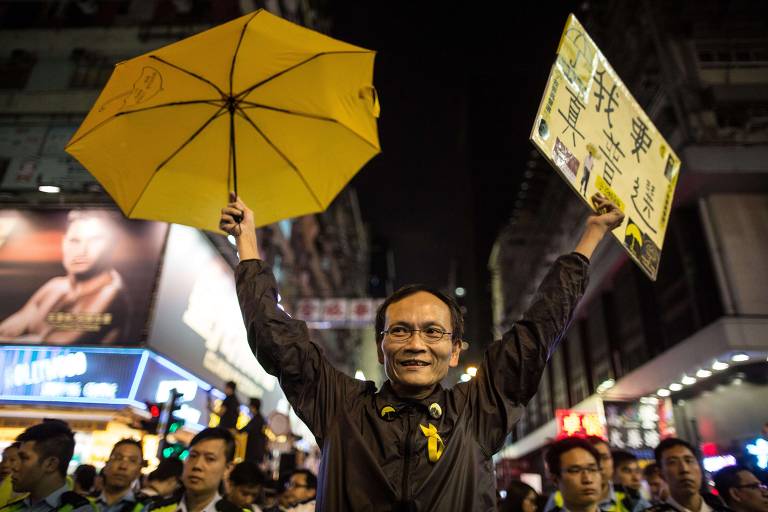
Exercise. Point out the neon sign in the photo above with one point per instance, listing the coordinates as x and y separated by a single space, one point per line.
760 450
575 423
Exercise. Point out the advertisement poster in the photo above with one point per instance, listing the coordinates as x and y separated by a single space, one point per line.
633 426
596 136
197 321
76 277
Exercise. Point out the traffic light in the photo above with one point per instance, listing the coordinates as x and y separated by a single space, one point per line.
169 424
150 425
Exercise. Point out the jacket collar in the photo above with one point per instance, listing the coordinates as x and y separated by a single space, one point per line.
387 396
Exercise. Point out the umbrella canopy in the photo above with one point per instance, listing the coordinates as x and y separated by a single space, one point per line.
283 115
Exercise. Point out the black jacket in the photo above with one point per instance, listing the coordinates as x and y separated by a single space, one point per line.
375 462
714 502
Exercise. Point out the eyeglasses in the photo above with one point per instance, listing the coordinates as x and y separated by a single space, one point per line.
402 333
579 470
755 486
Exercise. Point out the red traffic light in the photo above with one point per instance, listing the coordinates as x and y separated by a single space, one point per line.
154 411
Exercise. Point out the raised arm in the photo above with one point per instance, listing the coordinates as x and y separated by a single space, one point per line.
237 220
609 217
512 367
280 343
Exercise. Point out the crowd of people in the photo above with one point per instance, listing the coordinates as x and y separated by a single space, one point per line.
34 478
588 477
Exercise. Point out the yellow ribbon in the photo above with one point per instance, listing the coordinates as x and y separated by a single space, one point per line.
435 445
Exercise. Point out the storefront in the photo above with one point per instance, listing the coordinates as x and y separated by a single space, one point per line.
100 391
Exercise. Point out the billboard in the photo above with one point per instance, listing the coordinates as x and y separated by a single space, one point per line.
633 426
197 321
596 136
81 375
76 277
100 377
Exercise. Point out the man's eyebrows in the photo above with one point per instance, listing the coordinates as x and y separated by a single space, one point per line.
427 323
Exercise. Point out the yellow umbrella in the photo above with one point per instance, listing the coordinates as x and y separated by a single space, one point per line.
282 115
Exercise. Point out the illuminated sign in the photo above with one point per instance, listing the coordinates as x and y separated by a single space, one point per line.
100 377
86 375
198 321
575 423
633 426
717 462
760 450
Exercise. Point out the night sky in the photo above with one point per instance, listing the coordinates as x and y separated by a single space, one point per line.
459 88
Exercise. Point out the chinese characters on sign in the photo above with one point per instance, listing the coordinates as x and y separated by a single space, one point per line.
632 426
597 137
575 423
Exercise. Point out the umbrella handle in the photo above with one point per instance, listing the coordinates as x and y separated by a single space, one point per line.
369 93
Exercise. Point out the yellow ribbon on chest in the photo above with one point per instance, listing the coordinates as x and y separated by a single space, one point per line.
435 445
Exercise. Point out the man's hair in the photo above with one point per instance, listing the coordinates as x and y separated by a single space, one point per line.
84 476
52 438
621 457
167 468
217 433
558 448
651 470
130 442
517 491
668 443
256 403
246 473
14 444
457 319
726 479
311 478
596 440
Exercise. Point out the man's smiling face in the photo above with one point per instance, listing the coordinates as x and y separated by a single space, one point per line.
415 365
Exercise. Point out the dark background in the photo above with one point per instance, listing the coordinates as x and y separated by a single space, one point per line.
459 86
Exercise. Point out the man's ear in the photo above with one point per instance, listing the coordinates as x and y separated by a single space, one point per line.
733 495
50 464
380 352
455 352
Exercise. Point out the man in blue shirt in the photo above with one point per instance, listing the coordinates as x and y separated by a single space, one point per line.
44 454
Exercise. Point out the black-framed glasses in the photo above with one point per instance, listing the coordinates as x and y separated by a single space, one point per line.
754 486
578 470
403 333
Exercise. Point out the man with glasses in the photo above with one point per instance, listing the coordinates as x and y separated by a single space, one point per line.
122 470
682 471
300 492
413 444
612 499
741 490
574 465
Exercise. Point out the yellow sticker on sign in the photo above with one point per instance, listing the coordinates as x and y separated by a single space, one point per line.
596 136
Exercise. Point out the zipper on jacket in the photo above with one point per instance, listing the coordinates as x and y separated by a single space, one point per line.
405 495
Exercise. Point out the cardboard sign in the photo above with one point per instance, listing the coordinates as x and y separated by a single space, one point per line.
596 136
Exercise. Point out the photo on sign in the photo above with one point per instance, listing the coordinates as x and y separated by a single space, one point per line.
76 277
